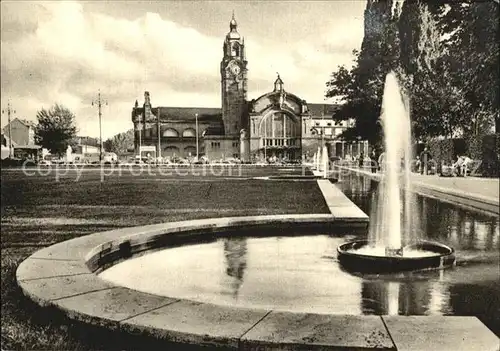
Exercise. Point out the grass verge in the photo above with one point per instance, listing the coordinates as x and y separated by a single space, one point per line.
37 213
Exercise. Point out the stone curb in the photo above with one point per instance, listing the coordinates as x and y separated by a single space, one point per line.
63 276
339 204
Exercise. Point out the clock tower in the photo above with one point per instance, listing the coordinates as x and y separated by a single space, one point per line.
233 70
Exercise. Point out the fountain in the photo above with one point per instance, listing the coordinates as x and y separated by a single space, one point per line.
393 243
317 159
324 161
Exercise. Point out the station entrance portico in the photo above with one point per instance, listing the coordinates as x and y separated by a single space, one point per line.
279 136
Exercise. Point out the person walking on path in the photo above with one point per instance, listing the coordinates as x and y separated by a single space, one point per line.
425 157
373 161
381 162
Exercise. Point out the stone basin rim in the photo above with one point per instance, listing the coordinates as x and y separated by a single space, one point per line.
353 261
344 250
36 284
91 246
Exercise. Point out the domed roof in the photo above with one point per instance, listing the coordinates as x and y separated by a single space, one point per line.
233 34
233 23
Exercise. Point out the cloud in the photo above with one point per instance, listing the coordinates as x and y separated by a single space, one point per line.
62 53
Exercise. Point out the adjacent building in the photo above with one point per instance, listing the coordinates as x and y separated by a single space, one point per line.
23 131
20 133
277 124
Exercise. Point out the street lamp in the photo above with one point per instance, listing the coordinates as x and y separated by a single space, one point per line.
99 102
196 119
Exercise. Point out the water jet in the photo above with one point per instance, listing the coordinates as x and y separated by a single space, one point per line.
393 243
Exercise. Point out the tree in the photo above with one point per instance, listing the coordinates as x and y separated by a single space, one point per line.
362 86
426 74
55 129
444 53
476 48
120 143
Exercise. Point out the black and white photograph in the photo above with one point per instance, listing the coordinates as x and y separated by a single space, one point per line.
250 175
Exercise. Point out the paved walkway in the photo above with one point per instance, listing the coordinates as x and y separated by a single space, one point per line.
472 192
487 187
339 204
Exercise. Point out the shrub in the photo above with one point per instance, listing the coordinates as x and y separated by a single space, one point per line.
445 151
487 149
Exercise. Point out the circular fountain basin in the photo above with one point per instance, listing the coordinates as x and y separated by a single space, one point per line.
358 256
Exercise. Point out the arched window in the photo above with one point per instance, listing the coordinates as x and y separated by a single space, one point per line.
171 151
170 133
235 50
279 125
189 151
189 133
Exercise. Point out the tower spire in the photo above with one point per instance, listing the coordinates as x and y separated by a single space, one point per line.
233 24
278 83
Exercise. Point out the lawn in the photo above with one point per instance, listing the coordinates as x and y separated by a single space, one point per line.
37 211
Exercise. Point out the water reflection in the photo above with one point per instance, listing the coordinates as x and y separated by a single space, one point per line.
302 274
439 221
235 254
419 295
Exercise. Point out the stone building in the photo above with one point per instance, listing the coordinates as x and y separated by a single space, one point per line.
277 124
22 141
23 131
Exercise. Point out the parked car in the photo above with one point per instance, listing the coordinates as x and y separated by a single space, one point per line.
233 160
110 157
139 160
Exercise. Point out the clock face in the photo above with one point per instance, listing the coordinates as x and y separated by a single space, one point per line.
235 69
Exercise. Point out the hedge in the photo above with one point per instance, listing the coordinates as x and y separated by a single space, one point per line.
482 148
486 149
445 151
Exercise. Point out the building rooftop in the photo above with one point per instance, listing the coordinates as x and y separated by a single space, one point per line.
326 110
214 129
28 146
189 113
208 114
214 114
86 140
28 123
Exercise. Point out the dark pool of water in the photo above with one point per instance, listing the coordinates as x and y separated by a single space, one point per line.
301 273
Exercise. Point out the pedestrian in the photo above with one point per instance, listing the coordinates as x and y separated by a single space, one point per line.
373 161
466 165
361 159
425 157
381 162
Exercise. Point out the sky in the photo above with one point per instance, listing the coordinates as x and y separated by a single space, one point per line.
66 52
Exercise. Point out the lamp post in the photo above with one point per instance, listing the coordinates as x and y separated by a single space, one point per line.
9 111
196 120
265 141
99 102
158 132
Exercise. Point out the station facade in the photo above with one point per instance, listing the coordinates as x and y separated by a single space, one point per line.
276 125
